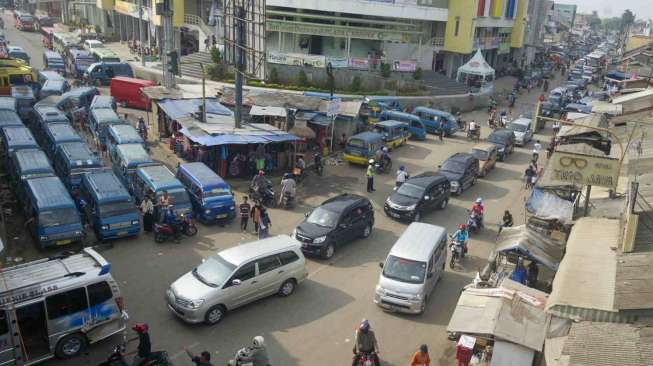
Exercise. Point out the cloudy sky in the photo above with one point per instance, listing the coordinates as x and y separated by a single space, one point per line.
643 9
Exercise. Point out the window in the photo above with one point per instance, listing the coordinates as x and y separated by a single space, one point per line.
245 272
267 264
99 293
4 327
288 257
66 303
455 33
431 265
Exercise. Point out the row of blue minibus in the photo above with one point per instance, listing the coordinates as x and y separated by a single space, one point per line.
51 165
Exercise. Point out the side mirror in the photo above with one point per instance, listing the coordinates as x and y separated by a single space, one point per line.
381 264
236 282
429 275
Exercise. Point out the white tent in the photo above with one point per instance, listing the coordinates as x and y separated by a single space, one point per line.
476 66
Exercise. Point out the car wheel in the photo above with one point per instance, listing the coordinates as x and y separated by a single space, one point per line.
70 346
214 315
367 230
417 216
329 251
287 288
444 204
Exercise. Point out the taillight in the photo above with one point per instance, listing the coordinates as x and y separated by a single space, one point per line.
120 303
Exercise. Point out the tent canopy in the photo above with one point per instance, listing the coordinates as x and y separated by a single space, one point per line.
476 66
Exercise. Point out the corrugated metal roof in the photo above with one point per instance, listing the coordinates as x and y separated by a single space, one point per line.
634 282
647 93
584 286
581 125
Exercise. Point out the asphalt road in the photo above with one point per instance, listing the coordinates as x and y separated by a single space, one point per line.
315 325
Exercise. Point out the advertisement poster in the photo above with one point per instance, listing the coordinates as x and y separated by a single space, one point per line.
338 62
404 65
359 63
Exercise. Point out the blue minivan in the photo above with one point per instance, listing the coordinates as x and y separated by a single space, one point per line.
78 62
56 220
54 87
126 158
110 208
123 134
72 160
210 195
416 126
103 101
27 164
25 100
99 121
156 179
52 60
101 73
57 134
16 138
435 119
8 103
9 118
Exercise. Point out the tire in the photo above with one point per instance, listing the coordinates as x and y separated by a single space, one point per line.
422 307
444 204
159 238
417 217
287 288
452 262
70 346
367 230
191 230
214 315
329 251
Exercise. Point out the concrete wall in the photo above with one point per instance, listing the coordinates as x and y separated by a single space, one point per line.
402 51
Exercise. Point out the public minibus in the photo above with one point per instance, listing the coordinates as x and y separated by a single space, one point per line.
123 134
77 98
52 60
27 164
416 126
16 138
62 41
361 148
210 195
15 75
47 37
54 307
394 133
72 160
435 119
110 208
77 62
154 180
8 103
101 73
102 54
45 115
100 119
54 87
103 101
45 75
10 118
57 134
25 100
126 158
17 52
55 217
25 22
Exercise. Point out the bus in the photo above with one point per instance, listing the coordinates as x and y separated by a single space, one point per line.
62 41
104 55
12 76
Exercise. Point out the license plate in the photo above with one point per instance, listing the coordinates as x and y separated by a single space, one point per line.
63 242
222 216
122 233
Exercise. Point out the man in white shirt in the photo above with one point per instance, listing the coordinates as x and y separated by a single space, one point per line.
402 175
537 147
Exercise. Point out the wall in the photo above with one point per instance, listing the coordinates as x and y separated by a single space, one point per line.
398 51
518 29
462 43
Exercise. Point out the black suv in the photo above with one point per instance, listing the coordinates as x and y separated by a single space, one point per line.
337 221
418 194
504 139
461 169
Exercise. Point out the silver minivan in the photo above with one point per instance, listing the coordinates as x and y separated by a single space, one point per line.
414 265
522 129
237 276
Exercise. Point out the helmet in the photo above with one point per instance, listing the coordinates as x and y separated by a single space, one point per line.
365 325
140 328
462 226
402 168
385 149
371 161
258 342
260 172
479 200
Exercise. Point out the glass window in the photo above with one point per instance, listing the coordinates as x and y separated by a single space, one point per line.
411 190
267 264
288 257
431 263
246 272
323 217
66 303
404 270
214 271
99 293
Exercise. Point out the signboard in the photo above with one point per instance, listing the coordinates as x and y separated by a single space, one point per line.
131 9
338 31
585 169
359 63
405 65
338 62
333 107
296 59
504 48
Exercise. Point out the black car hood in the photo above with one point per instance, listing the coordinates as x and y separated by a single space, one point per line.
312 231
401 200
452 176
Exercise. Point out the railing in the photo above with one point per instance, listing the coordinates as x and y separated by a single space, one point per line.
196 20
437 41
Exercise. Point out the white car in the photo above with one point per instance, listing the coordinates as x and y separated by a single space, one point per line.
91 44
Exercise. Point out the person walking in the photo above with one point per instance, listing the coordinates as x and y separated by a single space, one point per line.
147 209
402 175
256 215
244 210
370 176
528 176
441 133
207 42
264 224
421 357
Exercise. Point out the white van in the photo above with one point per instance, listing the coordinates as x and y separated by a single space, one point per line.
414 265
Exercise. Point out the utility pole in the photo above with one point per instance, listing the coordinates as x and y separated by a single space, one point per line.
168 75
141 31
239 15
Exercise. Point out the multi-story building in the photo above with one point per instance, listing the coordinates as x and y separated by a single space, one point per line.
495 26
565 14
538 13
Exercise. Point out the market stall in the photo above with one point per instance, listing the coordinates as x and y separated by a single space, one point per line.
476 72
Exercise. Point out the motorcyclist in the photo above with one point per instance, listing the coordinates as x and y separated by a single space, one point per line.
171 219
144 344
460 238
385 158
259 353
287 185
258 181
365 342
507 219
478 209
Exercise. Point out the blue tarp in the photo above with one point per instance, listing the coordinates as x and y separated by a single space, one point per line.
178 108
230 139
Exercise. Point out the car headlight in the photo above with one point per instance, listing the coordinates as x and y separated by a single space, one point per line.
43 238
319 239
195 304
454 183
208 212
135 222
417 297
379 290
78 233
104 227
232 208
294 233
411 207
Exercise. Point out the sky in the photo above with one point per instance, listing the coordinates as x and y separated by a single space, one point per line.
643 9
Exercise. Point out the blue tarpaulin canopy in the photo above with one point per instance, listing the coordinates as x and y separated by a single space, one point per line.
229 139
178 108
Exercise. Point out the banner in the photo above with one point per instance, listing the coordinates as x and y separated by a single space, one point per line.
296 59
338 62
359 63
585 169
404 65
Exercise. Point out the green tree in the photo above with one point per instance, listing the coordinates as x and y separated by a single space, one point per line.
386 70
302 79
356 83
417 75
216 55
627 18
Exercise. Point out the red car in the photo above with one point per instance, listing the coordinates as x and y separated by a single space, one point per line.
127 91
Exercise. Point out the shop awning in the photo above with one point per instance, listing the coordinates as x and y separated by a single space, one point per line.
530 244
267 111
549 206
177 108
476 66
240 139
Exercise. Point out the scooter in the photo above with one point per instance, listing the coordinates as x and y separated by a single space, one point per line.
163 232
264 194
117 358
457 253
243 357
383 167
474 222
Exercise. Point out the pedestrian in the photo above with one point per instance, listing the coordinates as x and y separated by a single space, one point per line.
402 175
207 41
441 133
256 215
213 40
421 357
528 176
264 224
204 359
147 209
556 127
370 176
244 209
162 205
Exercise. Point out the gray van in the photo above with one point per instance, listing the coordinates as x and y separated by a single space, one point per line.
414 265
237 276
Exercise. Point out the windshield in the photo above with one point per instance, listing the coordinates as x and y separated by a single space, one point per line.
411 190
480 154
85 62
178 197
496 139
214 271
357 143
217 192
116 208
453 166
518 127
57 217
323 217
404 270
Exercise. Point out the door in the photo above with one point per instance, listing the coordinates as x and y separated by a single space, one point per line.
67 311
237 295
7 349
270 275
432 194
430 276
358 222
33 329
440 258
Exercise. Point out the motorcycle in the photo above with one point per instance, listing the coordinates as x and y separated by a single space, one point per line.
366 359
474 222
243 357
117 358
319 168
163 232
457 252
264 194
383 166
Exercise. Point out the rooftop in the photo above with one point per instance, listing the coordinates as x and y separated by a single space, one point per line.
634 282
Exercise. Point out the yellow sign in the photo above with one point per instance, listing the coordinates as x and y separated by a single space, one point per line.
584 169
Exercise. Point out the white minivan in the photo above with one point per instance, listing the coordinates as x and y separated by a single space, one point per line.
237 276
414 265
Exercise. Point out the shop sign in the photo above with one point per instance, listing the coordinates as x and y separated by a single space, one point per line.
359 63
504 48
131 9
585 169
338 62
337 31
296 59
405 65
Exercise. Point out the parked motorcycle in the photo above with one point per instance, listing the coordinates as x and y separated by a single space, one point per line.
163 232
117 358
